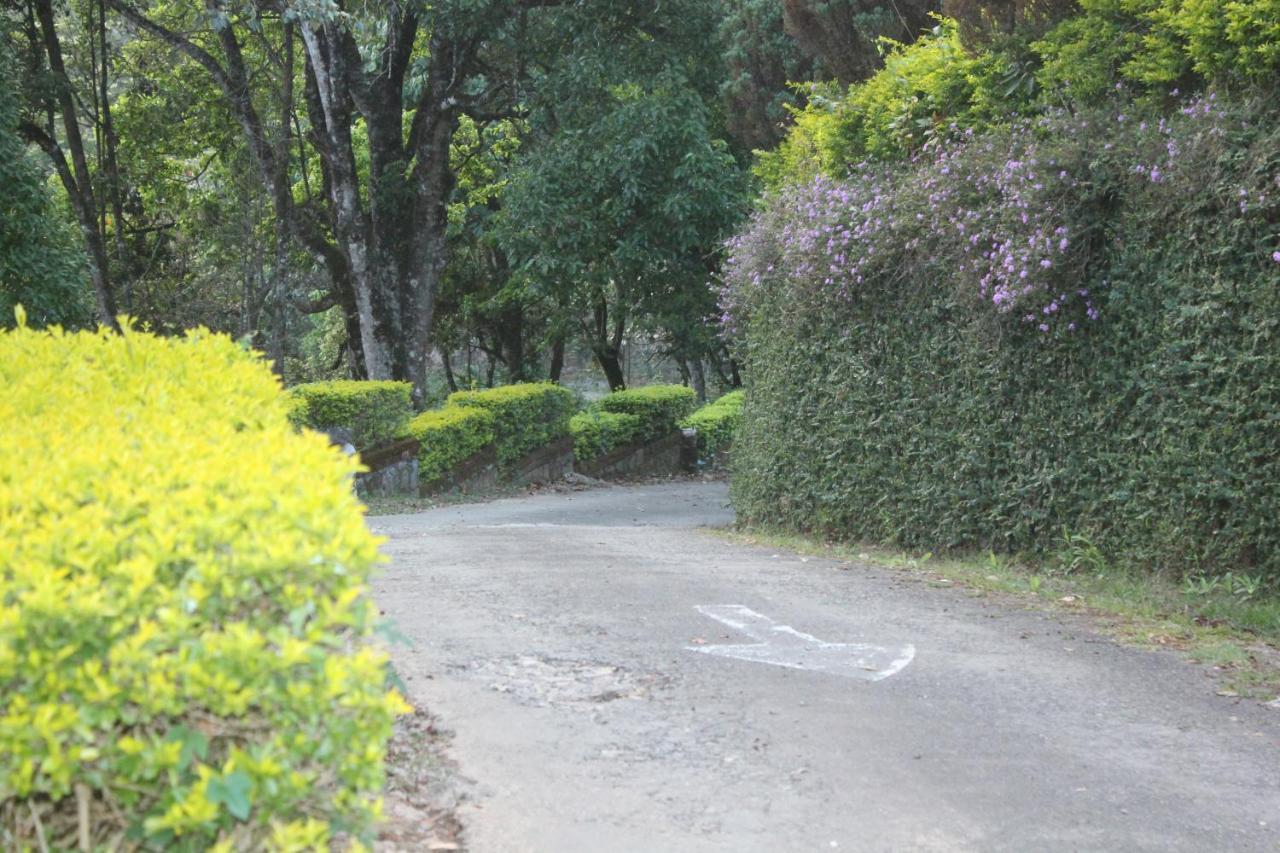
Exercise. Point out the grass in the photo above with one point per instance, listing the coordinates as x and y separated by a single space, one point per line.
1230 624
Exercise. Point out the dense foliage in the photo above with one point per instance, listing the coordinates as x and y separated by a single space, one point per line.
40 265
371 412
448 436
1067 323
526 416
939 87
182 608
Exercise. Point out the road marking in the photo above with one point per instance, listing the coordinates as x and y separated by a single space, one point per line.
782 645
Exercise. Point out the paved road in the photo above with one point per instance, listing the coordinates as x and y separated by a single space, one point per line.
596 709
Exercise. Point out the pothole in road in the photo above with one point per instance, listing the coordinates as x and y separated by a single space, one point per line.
534 680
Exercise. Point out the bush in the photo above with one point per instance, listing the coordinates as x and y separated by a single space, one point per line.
1162 44
661 407
525 416
182 604
374 412
596 433
935 364
716 424
448 436
927 91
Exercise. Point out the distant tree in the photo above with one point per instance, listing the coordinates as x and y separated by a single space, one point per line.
53 118
844 34
41 267
761 59
984 21
616 208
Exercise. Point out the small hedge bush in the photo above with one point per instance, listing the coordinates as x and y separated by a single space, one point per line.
596 433
661 407
526 416
448 436
716 424
182 603
374 412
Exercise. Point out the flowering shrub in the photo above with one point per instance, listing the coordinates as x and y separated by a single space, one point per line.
1070 321
1013 220
182 607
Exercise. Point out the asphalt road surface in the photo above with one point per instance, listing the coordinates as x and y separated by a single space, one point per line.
617 679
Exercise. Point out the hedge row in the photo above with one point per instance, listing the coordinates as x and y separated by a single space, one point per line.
1141 410
373 413
448 436
716 424
181 608
660 407
525 416
596 433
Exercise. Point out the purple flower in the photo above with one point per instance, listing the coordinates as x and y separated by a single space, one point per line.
1275 256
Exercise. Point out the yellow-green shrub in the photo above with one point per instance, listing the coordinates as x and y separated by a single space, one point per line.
660 406
182 581
596 432
374 412
448 436
526 416
716 424
1162 43
924 89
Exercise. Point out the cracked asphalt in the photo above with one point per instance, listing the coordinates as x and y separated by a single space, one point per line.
556 636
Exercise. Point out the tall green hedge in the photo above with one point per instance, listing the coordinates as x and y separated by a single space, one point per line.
906 408
526 416
374 412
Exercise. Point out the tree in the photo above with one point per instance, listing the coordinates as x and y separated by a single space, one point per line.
616 207
40 266
844 34
761 59
53 121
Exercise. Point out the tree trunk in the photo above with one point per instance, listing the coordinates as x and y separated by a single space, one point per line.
434 123
78 183
699 379
448 370
557 358
610 362
327 71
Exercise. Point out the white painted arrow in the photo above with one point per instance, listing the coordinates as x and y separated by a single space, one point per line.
782 645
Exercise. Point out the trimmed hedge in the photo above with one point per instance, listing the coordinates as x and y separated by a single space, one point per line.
182 604
448 436
716 423
904 404
661 407
596 433
526 416
374 412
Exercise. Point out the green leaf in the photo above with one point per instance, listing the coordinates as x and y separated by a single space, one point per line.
233 792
